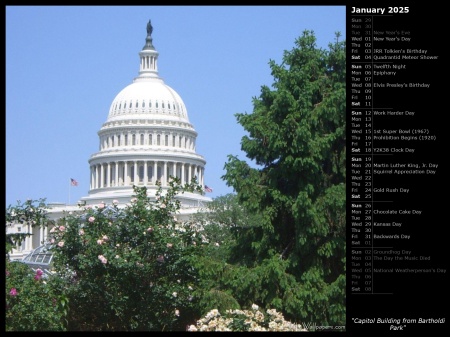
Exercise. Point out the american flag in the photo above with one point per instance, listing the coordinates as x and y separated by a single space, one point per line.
208 189
73 182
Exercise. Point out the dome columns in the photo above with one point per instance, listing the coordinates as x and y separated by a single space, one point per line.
143 173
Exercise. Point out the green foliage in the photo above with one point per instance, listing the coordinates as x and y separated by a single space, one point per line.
33 303
31 213
130 269
296 136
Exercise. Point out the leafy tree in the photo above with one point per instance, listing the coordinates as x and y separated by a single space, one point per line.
223 222
297 138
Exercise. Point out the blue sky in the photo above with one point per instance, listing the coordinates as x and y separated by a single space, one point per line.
66 64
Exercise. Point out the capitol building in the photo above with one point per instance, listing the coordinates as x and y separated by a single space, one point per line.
146 138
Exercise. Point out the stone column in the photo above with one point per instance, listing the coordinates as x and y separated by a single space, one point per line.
164 175
101 175
125 173
182 174
145 173
108 175
116 181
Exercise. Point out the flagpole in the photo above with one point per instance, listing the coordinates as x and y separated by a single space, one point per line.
70 186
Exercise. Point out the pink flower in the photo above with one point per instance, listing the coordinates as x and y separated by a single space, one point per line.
13 292
100 241
81 231
61 243
39 272
105 238
7 273
103 259
91 219
162 206
150 229
169 245
115 202
101 205
52 241
160 258
62 228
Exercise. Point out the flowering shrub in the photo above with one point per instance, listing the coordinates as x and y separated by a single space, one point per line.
32 302
129 269
245 320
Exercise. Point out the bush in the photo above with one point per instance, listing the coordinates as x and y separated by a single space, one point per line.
33 303
245 320
129 269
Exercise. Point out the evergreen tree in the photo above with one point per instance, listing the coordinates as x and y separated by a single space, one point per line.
297 139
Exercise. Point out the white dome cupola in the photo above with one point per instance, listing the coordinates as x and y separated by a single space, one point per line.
146 138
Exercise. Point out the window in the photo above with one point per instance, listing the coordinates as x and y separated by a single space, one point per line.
141 173
150 172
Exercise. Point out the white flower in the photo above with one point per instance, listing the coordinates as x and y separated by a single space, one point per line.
255 307
192 328
177 312
174 294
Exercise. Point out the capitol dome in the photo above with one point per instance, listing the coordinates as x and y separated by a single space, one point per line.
149 97
146 139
